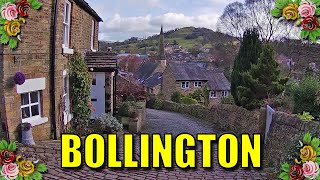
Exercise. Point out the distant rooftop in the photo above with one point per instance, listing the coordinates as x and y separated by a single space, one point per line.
193 72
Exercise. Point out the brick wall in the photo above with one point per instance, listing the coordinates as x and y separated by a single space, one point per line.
34 55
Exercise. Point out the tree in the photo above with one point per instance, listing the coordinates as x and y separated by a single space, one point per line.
237 17
248 54
262 81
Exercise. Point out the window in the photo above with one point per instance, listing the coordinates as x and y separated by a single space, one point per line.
213 94
31 101
92 36
66 27
184 85
198 84
225 93
94 81
30 106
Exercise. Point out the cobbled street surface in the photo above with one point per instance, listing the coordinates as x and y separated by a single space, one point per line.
157 122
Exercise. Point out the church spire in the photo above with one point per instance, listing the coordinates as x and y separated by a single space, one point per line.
161 53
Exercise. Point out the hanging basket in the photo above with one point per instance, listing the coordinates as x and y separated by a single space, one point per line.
19 78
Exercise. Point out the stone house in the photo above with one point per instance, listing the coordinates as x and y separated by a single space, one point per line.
186 78
49 38
149 75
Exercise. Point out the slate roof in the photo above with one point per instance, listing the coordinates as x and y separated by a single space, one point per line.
153 81
84 5
105 60
193 72
145 70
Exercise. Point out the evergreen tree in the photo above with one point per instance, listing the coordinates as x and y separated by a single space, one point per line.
248 54
262 81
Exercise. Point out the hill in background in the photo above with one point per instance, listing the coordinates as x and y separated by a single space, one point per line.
223 48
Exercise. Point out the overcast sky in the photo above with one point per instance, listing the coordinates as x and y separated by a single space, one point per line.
139 18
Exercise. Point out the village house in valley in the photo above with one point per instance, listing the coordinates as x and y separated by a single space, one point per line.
189 77
49 38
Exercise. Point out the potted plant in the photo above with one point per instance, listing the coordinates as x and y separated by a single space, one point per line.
26 133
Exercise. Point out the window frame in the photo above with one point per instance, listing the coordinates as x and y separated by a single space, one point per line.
186 85
67 27
93 28
225 93
198 84
215 96
29 106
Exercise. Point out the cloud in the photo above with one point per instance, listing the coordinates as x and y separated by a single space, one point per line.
148 25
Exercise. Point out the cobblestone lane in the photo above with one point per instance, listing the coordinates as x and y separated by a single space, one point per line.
157 122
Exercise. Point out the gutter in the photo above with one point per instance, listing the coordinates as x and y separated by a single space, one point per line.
53 32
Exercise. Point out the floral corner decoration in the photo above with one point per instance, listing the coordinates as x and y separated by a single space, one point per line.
16 167
303 13
13 14
306 166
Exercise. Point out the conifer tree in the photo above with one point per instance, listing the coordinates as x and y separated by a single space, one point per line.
262 81
248 54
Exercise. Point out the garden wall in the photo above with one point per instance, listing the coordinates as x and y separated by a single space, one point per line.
225 117
284 135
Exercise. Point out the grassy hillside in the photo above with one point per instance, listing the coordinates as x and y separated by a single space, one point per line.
186 37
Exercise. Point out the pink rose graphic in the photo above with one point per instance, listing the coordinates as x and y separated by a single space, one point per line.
10 171
9 11
310 169
306 9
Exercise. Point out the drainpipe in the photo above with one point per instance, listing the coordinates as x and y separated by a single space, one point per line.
53 32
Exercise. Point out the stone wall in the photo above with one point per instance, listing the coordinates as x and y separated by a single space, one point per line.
285 133
225 117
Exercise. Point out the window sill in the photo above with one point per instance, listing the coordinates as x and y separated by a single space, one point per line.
213 97
93 50
66 50
35 121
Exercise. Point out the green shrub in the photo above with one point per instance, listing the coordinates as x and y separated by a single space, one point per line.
227 100
304 95
188 101
124 110
158 104
305 116
176 97
197 95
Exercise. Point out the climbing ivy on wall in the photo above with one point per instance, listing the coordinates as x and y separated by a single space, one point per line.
13 14
80 84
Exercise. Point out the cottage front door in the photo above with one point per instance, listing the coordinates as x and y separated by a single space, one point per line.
98 94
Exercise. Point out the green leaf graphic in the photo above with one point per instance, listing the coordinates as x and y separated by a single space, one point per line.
285 167
42 168
307 138
13 43
276 12
284 176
